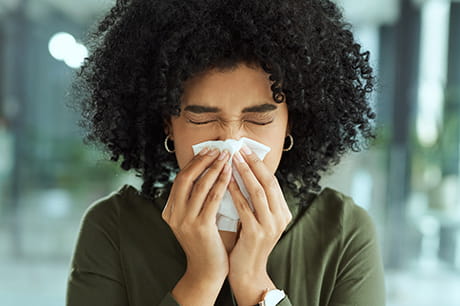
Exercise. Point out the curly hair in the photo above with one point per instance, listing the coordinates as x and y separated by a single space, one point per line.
141 52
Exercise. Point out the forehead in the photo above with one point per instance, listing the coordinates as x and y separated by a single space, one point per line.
239 85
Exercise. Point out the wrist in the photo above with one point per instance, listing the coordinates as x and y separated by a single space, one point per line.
204 277
212 275
249 288
249 274
196 290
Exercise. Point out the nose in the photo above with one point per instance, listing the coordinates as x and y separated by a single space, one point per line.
231 130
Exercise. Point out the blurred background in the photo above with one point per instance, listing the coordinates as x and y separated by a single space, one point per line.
408 181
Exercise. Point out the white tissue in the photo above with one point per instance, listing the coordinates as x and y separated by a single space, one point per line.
227 217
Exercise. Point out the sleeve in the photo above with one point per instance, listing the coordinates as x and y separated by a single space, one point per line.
169 300
360 278
95 276
285 302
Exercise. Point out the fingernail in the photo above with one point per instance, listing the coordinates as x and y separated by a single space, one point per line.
222 155
213 152
204 151
246 150
238 158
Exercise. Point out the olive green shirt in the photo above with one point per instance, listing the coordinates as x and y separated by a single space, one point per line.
126 254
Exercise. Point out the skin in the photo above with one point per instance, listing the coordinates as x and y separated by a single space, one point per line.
213 255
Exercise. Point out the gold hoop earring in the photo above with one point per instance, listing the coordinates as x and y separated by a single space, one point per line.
292 143
166 145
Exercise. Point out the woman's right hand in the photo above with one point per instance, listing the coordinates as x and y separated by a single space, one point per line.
191 212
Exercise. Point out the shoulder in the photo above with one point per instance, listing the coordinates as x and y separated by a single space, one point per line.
338 219
339 208
125 209
101 222
107 205
351 232
105 211
98 241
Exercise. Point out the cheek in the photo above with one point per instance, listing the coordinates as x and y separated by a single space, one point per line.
272 161
183 148
184 154
183 141
273 157
181 160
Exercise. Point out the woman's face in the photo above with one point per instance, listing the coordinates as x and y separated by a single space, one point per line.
231 104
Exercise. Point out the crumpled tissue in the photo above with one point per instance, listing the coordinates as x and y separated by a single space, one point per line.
227 217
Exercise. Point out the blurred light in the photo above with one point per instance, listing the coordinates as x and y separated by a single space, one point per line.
449 198
76 56
63 47
430 228
418 204
361 188
433 70
427 131
376 12
56 203
429 225
60 44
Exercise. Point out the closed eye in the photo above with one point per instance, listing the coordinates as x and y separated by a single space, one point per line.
194 122
206 122
259 123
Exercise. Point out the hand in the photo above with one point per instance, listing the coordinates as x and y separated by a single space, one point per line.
191 213
260 230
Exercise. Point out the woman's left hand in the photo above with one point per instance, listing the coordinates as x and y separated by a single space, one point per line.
260 230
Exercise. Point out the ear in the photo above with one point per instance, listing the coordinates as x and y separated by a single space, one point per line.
168 128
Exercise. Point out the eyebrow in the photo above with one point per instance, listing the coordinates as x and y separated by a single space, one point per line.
262 108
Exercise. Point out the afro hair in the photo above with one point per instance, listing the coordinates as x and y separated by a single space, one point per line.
142 52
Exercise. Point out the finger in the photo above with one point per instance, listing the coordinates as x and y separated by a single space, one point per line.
267 179
247 217
215 195
184 180
166 213
283 207
202 187
254 188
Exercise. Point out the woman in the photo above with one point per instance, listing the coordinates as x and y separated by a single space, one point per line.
166 75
